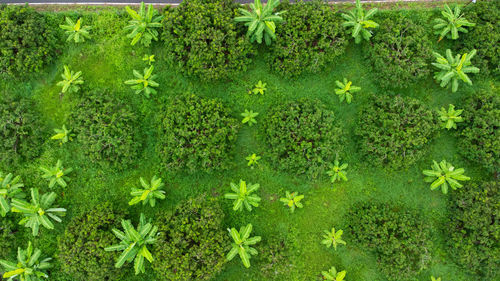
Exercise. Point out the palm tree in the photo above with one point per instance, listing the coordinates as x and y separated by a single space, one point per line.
243 197
360 22
292 200
453 23
76 31
241 244
333 275
345 90
444 174
10 187
144 83
451 117
148 193
454 68
28 266
143 25
56 174
261 21
70 81
333 238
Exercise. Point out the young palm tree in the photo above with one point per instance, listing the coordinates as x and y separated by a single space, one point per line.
148 193
144 83
243 197
435 279
453 23
56 174
143 25
454 68
63 135
252 160
76 31
10 187
249 117
346 90
360 22
261 21
451 117
333 238
241 244
444 174
70 81
292 200
28 266
333 275
260 88
337 171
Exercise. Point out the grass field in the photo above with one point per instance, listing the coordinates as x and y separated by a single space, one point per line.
108 61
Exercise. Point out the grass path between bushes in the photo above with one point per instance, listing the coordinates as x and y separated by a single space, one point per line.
107 62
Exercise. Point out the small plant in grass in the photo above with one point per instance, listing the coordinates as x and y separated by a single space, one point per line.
333 275
10 187
337 171
360 22
28 267
63 135
143 25
149 59
76 31
435 279
70 81
56 174
249 117
346 90
134 244
242 196
451 117
261 21
454 68
144 83
453 23
148 193
444 174
253 160
259 88
241 244
333 238
292 200
38 211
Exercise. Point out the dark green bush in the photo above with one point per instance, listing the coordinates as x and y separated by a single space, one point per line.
7 238
399 237
394 130
303 136
400 51
21 132
310 37
191 244
202 38
479 134
106 128
475 228
196 133
27 40
81 248
274 259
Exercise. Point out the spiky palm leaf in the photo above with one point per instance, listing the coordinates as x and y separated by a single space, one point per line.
10 187
143 24
452 23
56 174
333 238
76 31
249 117
346 90
292 200
337 171
261 21
148 193
63 135
450 118
243 196
454 68
360 22
444 175
28 266
70 81
144 83
241 244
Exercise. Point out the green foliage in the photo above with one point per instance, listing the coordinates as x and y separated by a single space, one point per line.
107 128
249 117
400 238
450 118
454 69
452 23
149 58
480 132
394 130
193 231
10 187
56 174
274 259
28 266
337 171
292 200
311 37
70 81
345 90
38 211
474 228
435 279
243 197
241 244
302 136
260 88
260 20
144 83
76 31
81 247
196 133
63 135
28 41
134 243
8 238
201 38
360 22
333 238
444 174
252 160
143 25
148 193
332 274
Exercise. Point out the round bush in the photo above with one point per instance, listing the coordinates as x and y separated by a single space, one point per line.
479 134
192 242
27 40
394 130
196 133
81 248
202 38
302 136
21 132
400 52
310 37
106 128
399 237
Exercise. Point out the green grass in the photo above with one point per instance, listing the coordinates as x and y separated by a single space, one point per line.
109 61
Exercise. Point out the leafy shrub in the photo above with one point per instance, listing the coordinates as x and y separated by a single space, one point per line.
274 260
106 128
302 136
81 248
196 133
191 245
27 40
394 130
485 36
7 238
480 131
475 227
310 37
399 237
202 38
21 132
400 52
